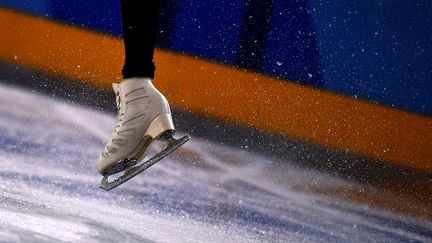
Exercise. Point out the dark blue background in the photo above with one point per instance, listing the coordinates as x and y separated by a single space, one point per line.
376 50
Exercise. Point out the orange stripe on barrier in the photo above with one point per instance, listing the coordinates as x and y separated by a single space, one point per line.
227 93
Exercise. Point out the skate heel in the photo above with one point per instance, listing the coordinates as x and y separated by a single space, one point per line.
159 125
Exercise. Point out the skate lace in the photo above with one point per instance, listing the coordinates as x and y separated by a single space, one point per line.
111 147
120 113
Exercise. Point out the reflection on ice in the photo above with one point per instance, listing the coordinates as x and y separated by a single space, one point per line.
203 193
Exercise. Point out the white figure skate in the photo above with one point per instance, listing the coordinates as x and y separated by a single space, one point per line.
143 116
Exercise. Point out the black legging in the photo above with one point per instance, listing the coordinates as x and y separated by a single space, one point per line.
139 31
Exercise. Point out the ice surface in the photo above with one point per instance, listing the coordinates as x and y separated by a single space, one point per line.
203 193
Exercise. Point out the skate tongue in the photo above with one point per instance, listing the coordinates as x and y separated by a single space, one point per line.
115 87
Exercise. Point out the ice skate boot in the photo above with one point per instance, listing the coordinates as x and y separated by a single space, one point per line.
143 116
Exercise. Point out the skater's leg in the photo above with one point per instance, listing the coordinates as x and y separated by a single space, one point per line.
139 32
144 114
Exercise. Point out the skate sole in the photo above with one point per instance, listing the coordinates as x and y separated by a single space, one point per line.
132 170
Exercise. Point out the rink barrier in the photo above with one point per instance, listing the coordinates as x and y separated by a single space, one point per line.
226 93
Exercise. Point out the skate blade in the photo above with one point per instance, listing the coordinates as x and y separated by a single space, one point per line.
132 170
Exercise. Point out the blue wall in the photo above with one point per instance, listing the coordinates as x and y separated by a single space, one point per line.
292 51
373 49
98 15
208 28
38 7
377 50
